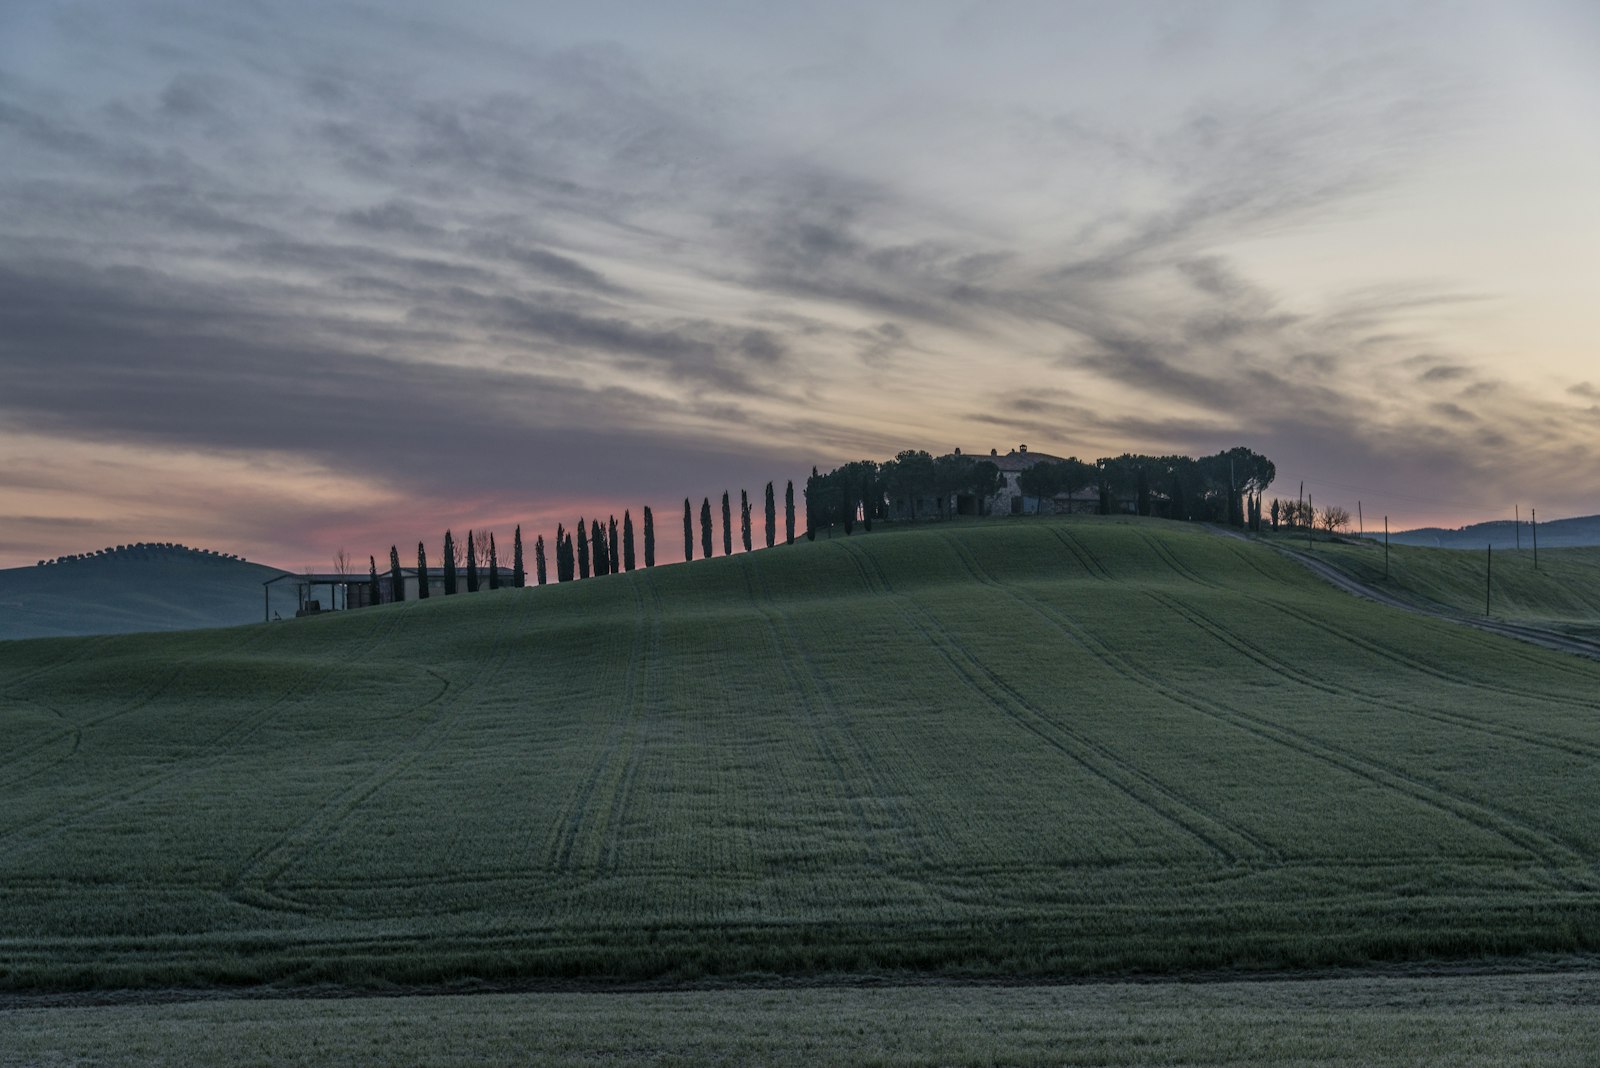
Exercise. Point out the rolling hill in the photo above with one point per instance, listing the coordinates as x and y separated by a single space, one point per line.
138 588
1579 531
1562 593
1001 748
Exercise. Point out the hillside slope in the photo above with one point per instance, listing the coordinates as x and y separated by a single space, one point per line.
1576 532
1059 746
1562 593
131 590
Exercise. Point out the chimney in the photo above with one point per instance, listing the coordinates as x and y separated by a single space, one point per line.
994 452
1022 448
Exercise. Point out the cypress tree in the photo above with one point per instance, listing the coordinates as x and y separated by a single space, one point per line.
727 526
788 514
744 519
583 550
422 571
627 539
597 545
397 581
519 576
615 548
705 527
772 517
449 564
373 593
472 565
649 537
688 531
538 558
494 564
563 565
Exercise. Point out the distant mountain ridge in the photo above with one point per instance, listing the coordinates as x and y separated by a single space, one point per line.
139 587
1503 534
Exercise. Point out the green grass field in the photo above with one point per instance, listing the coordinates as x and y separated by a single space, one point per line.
1462 1021
1009 748
1562 593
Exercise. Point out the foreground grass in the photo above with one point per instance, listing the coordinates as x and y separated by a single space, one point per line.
1546 1020
1004 748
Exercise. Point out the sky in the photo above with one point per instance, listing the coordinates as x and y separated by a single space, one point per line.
283 278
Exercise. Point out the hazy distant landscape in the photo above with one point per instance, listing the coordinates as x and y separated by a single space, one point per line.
135 589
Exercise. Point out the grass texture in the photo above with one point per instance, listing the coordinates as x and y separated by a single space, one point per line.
1070 746
1463 1022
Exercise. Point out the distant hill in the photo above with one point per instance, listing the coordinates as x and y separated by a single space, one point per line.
1502 534
130 588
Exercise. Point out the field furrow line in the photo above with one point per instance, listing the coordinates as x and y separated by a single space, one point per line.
176 769
1175 807
645 702
1079 549
1382 702
1507 827
266 866
577 813
821 709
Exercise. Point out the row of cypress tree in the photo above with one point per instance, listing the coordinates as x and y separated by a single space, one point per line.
595 549
746 538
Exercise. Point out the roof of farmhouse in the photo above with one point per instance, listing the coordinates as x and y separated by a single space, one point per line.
1018 459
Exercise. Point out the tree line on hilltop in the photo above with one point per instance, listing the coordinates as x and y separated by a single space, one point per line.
1224 488
591 549
141 548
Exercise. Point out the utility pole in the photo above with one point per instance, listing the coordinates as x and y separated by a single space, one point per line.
1534 526
1361 524
1386 548
1311 521
1488 578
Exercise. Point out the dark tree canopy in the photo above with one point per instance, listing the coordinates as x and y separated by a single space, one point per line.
373 590
688 530
727 526
449 564
705 527
649 537
788 514
538 559
614 551
772 517
519 574
494 564
627 540
472 565
597 545
397 580
744 520
422 571
583 550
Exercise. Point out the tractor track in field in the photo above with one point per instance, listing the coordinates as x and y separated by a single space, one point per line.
258 882
647 700
790 651
1549 639
1237 545
576 812
1255 652
1526 838
248 723
1097 760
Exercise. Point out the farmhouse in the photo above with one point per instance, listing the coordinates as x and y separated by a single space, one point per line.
1010 500
328 591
